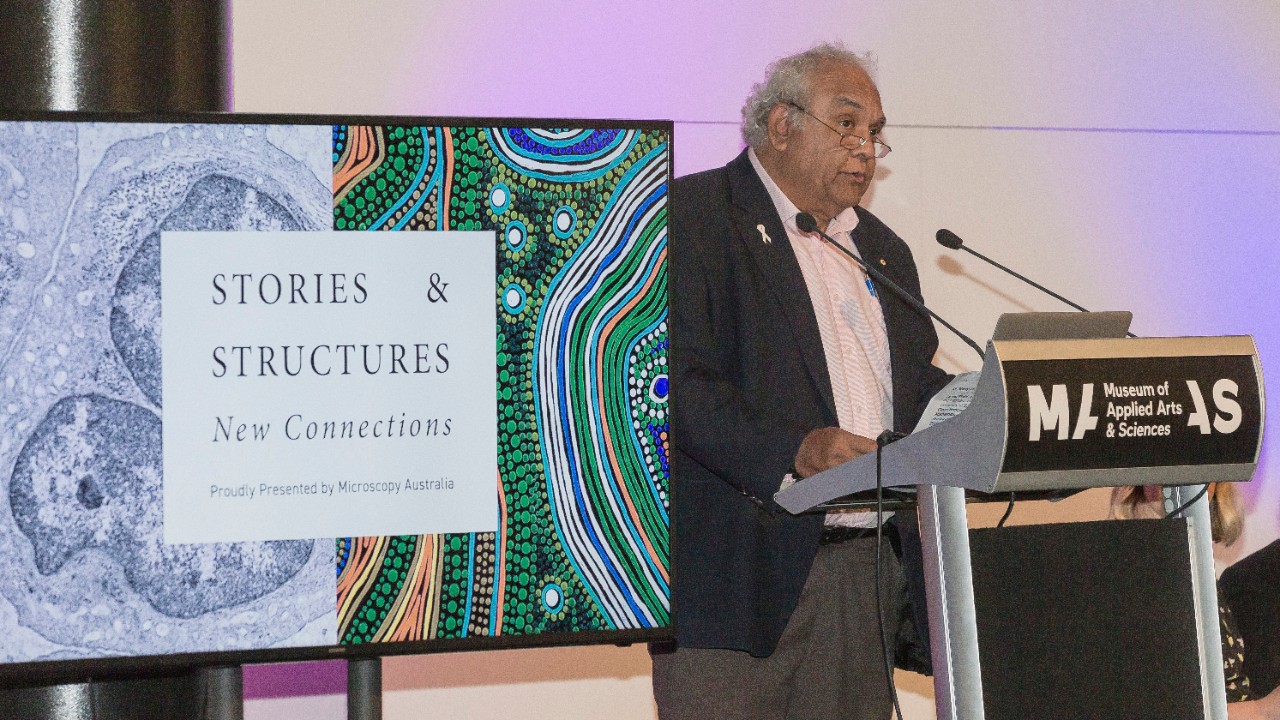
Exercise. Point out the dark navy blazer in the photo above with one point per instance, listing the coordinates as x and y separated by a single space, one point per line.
748 381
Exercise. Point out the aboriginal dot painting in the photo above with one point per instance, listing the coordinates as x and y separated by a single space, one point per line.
579 225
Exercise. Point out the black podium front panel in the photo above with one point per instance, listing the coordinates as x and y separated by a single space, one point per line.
1093 616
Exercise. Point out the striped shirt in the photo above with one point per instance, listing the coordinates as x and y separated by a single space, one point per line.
850 322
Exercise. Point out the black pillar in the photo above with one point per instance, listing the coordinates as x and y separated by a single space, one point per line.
206 693
364 688
115 55
120 56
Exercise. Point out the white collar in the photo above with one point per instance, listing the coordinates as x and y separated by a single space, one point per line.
846 221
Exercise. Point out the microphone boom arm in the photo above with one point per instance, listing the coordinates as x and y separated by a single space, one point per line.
807 224
950 240
1021 277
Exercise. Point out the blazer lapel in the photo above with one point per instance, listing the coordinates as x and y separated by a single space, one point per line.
759 228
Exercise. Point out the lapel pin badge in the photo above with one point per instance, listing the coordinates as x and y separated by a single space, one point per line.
883 261
764 236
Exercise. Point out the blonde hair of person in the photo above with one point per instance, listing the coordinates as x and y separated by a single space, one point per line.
1225 515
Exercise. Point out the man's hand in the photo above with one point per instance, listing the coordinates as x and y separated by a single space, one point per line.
826 448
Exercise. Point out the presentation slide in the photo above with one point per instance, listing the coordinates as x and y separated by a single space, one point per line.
293 383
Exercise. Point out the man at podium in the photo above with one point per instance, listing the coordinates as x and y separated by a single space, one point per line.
786 360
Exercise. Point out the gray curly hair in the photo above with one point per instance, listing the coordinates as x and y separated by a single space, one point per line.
787 79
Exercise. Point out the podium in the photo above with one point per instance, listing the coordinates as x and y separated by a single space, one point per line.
1065 402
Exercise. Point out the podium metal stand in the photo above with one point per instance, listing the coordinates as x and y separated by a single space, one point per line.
1048 413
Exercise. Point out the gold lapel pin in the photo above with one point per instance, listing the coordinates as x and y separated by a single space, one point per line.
883 261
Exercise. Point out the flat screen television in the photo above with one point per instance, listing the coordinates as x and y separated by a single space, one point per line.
282 388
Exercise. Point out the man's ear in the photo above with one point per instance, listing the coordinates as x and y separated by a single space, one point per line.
779 126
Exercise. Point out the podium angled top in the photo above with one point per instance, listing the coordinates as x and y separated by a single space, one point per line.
1056 414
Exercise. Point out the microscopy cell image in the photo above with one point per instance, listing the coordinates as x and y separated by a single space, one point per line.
37 180
216 202
135 317
82 210
87 477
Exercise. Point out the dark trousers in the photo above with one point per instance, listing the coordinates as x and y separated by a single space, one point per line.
827 665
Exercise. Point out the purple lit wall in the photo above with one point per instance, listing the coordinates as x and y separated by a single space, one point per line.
1127 155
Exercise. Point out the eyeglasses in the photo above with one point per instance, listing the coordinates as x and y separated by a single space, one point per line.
848 140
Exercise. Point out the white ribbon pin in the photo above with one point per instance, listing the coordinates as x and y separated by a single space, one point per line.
764 236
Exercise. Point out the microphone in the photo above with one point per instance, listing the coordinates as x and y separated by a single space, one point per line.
950 240
808 225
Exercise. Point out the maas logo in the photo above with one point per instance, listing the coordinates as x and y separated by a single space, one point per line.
1228 418
1132 403
1054 412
